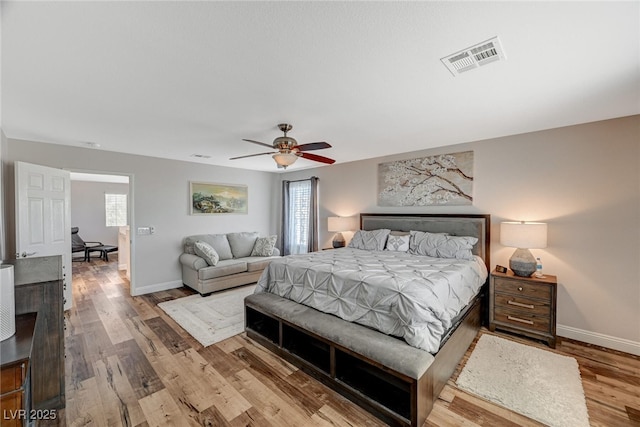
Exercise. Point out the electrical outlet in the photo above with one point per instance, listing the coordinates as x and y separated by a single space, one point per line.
144 231
152 229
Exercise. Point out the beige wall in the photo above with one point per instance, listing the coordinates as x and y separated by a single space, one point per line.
584 181
160 196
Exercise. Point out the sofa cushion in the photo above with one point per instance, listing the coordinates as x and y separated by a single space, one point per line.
264 246
206 251
223 268
255 263
242 243
219 242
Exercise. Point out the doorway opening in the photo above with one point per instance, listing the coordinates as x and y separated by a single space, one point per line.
101 210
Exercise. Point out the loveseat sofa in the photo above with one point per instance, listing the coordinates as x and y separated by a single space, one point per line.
213 262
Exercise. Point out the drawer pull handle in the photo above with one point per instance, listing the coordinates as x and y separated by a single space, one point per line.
520 288
519 304
516 319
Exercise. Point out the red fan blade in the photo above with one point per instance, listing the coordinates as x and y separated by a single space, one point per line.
250 155
317 158
312 146
259 143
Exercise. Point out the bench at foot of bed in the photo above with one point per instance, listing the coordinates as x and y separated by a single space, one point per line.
386 376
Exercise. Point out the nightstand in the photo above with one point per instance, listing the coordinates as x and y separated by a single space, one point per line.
524 305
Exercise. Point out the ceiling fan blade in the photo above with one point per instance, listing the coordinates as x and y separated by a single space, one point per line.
312 146
250 155
259 143
317 158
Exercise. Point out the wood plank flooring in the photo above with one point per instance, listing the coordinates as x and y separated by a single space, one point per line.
129 364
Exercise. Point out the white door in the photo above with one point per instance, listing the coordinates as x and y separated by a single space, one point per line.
43 217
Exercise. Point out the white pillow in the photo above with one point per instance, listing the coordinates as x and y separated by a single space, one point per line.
264 246
373 240
398 243
206 251
441 245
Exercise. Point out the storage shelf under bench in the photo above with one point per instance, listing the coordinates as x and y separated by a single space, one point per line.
383 392
384 375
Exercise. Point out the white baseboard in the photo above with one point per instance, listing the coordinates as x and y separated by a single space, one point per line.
601 340
156 288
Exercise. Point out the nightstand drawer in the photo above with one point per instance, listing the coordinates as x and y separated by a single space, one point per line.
522 320
525 305
519 287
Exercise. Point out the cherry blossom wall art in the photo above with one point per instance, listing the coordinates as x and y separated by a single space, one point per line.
445 179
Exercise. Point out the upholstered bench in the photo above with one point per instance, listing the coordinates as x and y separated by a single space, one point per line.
381 373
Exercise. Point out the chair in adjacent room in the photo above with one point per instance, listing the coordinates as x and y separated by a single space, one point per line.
79 245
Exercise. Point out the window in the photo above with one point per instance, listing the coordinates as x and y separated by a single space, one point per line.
115 206
300 228
299 202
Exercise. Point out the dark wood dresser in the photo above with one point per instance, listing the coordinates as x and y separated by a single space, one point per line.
39 289
524 305
15 357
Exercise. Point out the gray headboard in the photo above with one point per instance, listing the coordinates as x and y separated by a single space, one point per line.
475 225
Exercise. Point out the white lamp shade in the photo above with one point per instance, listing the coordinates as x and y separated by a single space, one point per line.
339 223
285 159
527 235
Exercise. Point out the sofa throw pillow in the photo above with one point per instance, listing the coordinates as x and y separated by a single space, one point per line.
373 240
264 246
398 243
441 245
206 251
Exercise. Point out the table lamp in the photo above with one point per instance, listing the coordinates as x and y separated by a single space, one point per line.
523 236
338 224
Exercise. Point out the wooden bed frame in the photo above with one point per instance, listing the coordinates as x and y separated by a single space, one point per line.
287 328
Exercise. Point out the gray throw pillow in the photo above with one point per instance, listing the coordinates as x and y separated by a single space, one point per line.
441 245
242 243
373 240
264 246
206 251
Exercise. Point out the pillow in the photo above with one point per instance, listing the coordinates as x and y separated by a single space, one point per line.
373 240
441 245
398 243
264 246
218 242
242 243
206 251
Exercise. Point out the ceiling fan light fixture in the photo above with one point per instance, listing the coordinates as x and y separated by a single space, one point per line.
285 159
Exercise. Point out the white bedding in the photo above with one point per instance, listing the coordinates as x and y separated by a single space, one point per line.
409 296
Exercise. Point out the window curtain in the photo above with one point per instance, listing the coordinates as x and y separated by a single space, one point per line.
300 216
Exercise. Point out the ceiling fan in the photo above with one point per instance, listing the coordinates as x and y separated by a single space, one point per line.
289 150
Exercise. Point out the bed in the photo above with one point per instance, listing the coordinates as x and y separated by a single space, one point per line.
387 350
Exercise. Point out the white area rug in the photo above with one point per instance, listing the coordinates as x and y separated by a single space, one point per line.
540 384
210 319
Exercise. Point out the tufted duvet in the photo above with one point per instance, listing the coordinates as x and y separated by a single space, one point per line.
408 296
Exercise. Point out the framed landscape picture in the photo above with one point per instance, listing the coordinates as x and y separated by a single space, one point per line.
208 198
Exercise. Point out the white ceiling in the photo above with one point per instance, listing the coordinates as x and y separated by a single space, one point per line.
172 79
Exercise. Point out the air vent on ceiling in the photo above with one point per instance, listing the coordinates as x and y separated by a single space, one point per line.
201 156
475 56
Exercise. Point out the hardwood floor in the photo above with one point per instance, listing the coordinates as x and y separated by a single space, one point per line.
128 364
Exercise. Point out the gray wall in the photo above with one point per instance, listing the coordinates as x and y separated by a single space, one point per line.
160 195
88 210
584 181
